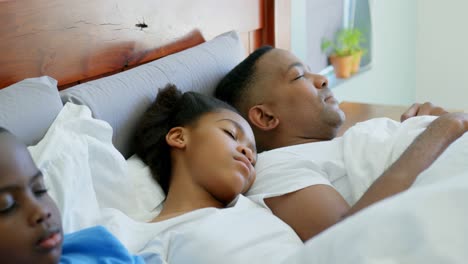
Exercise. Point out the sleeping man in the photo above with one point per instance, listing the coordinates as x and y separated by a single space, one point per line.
295 119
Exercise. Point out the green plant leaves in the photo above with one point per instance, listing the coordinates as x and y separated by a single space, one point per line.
347 42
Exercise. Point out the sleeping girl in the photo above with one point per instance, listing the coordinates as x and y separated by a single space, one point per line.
202 152
30 221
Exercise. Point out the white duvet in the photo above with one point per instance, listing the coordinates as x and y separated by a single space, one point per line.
92 184
370 147
426 224
86 174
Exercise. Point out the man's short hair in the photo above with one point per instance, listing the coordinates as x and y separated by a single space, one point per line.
234 87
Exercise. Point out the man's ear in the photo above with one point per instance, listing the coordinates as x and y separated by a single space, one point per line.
262 117
176 137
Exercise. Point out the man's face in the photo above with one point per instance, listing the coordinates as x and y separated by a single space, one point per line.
300 99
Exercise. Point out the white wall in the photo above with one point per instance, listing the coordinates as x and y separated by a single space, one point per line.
298 28
442 53
311 21
420 53
391 79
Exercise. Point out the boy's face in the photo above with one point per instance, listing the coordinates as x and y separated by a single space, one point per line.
30 225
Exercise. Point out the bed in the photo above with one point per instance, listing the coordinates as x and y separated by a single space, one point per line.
111 56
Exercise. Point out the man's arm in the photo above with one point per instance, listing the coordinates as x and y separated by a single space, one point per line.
309 211
425 149
315 208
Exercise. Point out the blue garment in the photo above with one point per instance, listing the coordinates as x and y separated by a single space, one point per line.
95 245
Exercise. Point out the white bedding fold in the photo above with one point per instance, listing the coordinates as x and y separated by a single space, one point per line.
82 169
87 177
371 147
424 225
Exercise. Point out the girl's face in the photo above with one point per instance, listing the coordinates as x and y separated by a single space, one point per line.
222 154
30 225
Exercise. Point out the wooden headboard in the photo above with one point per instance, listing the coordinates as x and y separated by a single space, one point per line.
75 41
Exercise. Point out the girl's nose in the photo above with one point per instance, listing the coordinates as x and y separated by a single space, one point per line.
247 152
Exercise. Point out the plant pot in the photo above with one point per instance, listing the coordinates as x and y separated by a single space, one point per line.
342 65
356 62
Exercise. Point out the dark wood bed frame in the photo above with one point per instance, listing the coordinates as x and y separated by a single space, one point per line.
76 41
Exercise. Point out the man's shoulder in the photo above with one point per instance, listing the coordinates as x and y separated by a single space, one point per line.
300 149
300 152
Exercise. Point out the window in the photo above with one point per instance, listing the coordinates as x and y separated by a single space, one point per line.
314 20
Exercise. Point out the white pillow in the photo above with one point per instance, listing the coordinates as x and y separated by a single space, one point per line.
149 192
84 172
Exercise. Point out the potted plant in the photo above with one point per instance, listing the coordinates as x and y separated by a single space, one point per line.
345 52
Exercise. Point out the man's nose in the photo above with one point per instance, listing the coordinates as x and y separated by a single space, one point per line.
320 81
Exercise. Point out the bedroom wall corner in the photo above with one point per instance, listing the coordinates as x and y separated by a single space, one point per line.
391 79
441 71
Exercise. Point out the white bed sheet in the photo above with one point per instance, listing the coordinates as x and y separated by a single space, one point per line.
426 224
370 147
85 173
423 225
